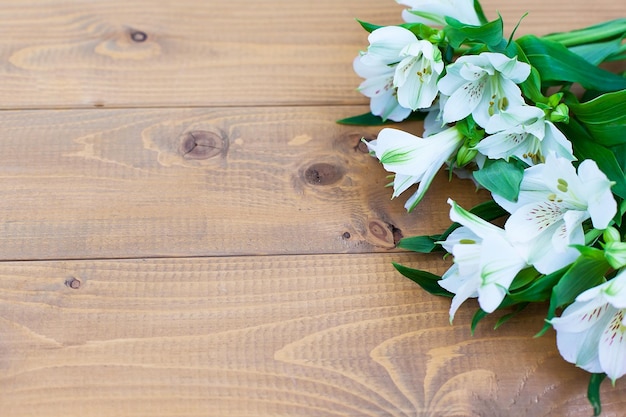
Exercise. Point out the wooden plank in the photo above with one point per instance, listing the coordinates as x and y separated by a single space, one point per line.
228 52
127 183
326 335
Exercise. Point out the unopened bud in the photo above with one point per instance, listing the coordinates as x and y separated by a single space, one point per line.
615 254
555 99
611 234
560 114
465 155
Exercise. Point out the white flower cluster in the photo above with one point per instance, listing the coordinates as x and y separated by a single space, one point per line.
404 74
557 205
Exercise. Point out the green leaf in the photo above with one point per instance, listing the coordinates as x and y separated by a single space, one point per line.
523 278
595 53
368 119
478 316
501 177
558 65
369 27
489 34
593 392
604 117
531 87
586 272
479 12
597 33
424 279
586 148
420 30
539 290
420 244
510 315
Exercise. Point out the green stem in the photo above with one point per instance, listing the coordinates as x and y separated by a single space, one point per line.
597 33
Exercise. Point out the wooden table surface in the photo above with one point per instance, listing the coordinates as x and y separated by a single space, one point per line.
249 275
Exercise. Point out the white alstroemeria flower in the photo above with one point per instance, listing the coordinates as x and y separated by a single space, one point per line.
416 66
434 11
414 159
482 85
591 332
417 74
378 86
485 262
553 203
523 131
386 43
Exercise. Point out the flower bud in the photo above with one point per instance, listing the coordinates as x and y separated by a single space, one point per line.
615 254
555 99
560 114
611 234
465 155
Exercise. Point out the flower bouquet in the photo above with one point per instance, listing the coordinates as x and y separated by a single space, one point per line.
538 123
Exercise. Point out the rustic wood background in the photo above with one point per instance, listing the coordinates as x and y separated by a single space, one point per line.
186 231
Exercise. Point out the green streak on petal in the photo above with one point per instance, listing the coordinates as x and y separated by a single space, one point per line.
395 156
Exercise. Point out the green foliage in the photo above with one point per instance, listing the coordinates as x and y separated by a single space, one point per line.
593 392
613 29
588 271
368 119
424 279
501 177
557 66
489 34
420 244
586 148
604 117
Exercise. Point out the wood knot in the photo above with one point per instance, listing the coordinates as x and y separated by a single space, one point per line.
202 144
322 174
383 234
73 283
138 36
378 230
355 141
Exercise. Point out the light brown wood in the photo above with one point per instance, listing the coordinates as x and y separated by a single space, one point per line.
219 52
217 140
127 183
326 335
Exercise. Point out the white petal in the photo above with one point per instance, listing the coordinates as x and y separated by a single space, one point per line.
580 316
612 349
528 221
463 287
426 180
615 290
386 44
460 234
601 203
555 141
510 68
387 107
417 92
504 145
480 227
582 348
500 263
402 182
463 101
452 81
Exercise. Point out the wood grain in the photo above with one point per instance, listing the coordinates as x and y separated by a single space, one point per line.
325 335
133 183
218 139
214 53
